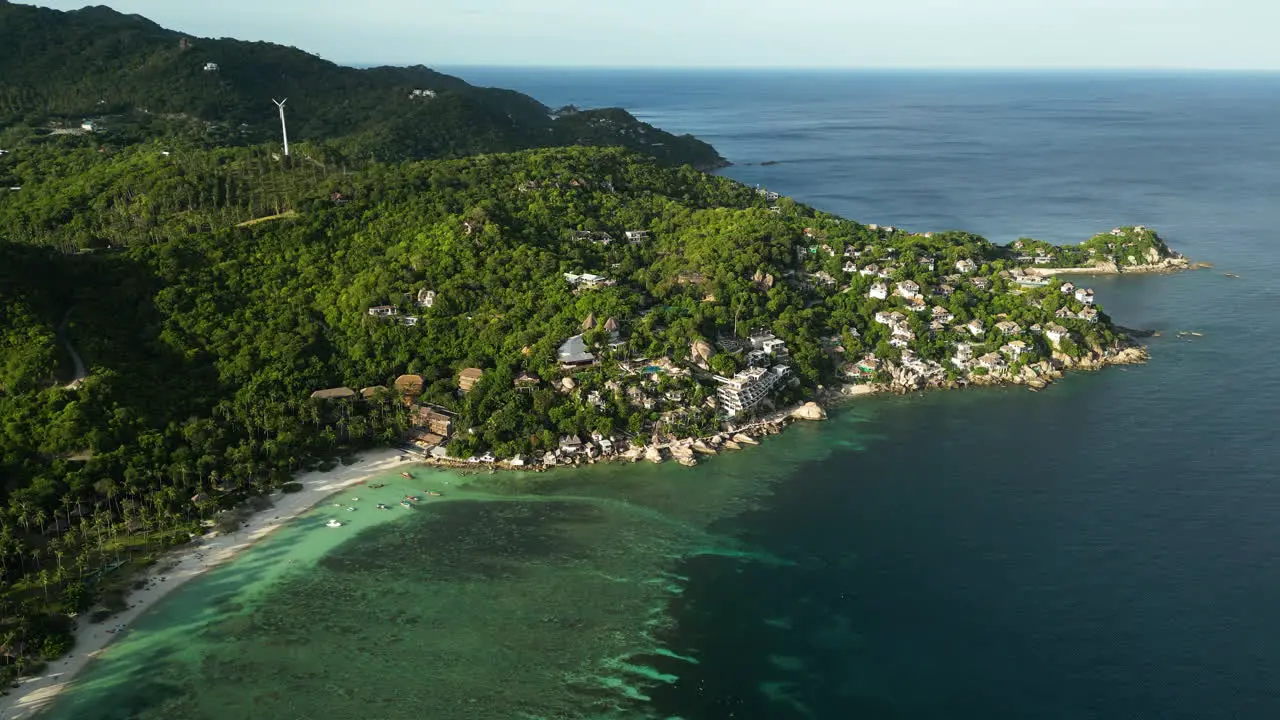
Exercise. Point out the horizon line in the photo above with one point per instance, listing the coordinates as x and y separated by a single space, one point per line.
831 69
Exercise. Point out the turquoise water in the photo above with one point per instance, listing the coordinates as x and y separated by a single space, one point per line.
1104 549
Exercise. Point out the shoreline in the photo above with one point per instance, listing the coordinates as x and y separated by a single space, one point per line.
689 451
181 566
1172 265
185 564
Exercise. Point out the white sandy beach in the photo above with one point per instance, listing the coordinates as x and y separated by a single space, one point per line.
178 568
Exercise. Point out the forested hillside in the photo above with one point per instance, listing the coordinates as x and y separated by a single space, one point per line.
124 71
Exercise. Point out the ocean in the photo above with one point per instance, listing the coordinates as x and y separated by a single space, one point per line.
1104 549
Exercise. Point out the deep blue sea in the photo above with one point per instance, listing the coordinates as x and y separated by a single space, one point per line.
1107 549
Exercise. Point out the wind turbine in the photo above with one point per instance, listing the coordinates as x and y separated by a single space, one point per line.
284 130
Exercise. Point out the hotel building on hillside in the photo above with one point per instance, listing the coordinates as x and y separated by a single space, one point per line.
747 388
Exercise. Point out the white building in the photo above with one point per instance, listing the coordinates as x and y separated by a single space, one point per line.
422 94
880 291
211 67
1085 295
587 280
908 289
747 389
383 311
1055 333
426 298
966 266
635 236
768 344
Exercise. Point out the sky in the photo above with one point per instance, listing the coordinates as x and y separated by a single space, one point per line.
950 34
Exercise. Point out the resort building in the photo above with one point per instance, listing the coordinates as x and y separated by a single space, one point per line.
1055 333
573 353
747 389
468 378
879 291
587 280
1008 327
908 289
770 345
410 386
338 393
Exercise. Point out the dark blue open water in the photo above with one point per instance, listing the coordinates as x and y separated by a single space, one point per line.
1107 549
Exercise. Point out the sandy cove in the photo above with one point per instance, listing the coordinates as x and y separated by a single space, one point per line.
183 565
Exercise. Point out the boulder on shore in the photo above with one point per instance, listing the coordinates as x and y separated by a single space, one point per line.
742 439
653 455
809 411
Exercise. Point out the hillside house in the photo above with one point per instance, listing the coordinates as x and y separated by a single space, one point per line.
637 236
1008 327
908 289
966 266
211 67
975 327
338 393
1014 349
468 378
992 362
422 94
587 280
1055 333
1085 295
410 386
426 298
573 353
879 291
383 311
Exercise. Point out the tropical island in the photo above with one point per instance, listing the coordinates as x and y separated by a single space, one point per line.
192 316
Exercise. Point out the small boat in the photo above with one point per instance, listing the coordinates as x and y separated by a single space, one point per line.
383 506
413 498
351 509
433 493
337 504
333 523
406 503
377 485
406 476
355 499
